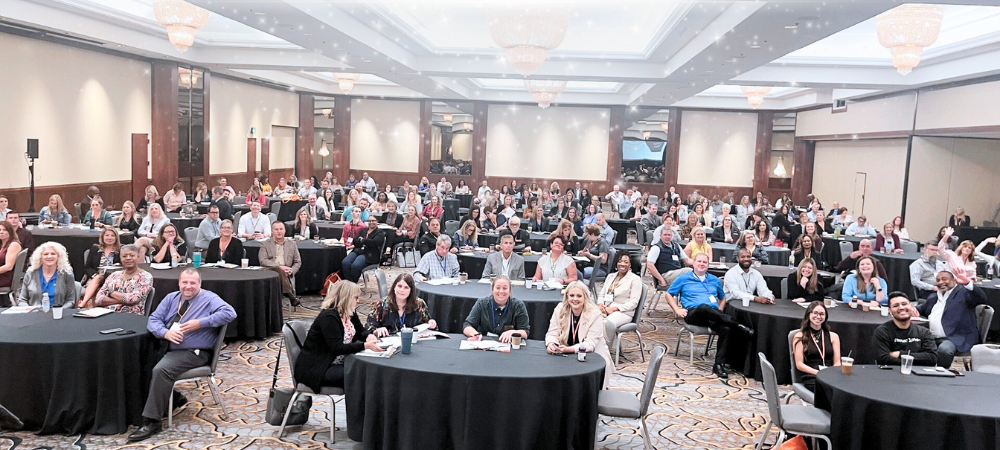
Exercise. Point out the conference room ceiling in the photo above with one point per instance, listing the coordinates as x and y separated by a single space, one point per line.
638 53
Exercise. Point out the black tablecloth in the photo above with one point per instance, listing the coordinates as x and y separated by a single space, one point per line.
773 322
884 409
63 376
318 261
776 256
181 224
977 235
254 294
76 242
475 263
464 200
288 209
451 206
621 226
897 270
450 305
442 397
539 241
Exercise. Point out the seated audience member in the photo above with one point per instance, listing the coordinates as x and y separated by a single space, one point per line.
352 182
591 214
698 244
410 226
701 301
466 237
665 260
748 241
536 220
804 249
96 216
899 228
255 193
400 308
574 218
842 220
865 285
282 255
651 220
521 237
168 247
923 271
367 183
3 207
362 206
851 261
225 247
127 220
804 284
814 210
742 281
860 228
10 246
203 194
504 262
151 196
888 241
900 336
367 250
462 189
49 273
55 213
307 189
228 190
620 294
304 226
785 223
961 261
577 326
433 209
635 211
104 253
814 346
392 216
429 240
188 320
498 314
441 262
762 233
507 210
596 250
959 219
991 260
607 233
565 229
225 206
315 210
355 224
124 290
174 198
951 316
208 229
153 222
254 225
556 265
474 215
690 225
24 237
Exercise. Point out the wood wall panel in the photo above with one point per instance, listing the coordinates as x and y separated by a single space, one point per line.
762 154
340 153
672 159
424 152
265 155
206 104
304 136
114 194
140 164
803 157
251 155
164 136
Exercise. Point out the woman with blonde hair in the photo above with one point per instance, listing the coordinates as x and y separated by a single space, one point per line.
335 333
803 284
152 196
554 188
175 198
962 261
201 193
566 229
467 236
49 273
55 213
577 326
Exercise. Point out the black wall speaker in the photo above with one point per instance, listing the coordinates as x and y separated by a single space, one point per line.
33 148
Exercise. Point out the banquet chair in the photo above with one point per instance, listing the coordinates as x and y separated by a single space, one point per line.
450 227
148 302
206 371
191 236
692 331
784 288
909 247
805 421
22 258
984 317
623 404
632 327
272 217
275 207
373 266
846 247
290 333
236 219
79 211
986 358
640 233
797 388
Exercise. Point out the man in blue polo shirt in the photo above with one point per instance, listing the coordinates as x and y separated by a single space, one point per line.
701 302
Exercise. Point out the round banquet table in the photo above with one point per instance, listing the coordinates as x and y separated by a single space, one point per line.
772 275
776 256
525 399
773 322
63 376
449 305
76 240
884 409
255 294
451 206
288 209
897 270
203 207
464 200
621 227
318 261
539 241
182 223
473 263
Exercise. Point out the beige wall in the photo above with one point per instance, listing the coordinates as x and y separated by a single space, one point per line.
83 107
282 150
530 142
461 146
717 148
963 106
235 108
835 176
946 173
385 135
882 115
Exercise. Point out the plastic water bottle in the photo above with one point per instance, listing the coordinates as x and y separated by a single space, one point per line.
989 272
836 233
45 302
791 261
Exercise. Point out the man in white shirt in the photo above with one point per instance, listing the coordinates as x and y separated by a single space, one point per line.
505 262
483 190
254 225
315 210
577 191
742 281
615 197
307 189
367 183
923 271
951 316
229 192
208 229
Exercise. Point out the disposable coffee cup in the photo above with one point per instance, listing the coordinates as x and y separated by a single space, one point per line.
828 302
885 311
515 342
865 307
854 305
454 282
527 283
406 336
846 364
746 302
57 312
463 277
244 263
907 364
581 356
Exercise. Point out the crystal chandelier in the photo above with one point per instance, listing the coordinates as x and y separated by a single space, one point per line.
188 78
779 169
346 80
755 94
323 150
544 92
527 34
326 111
906 30
182 20
448 117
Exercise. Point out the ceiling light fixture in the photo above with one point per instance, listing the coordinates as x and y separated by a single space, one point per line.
665 126
448 117
906 30
646 135
181 19
188 78
527 34
755 94
323 150
779 169
467 126
327 111
544 92
346 80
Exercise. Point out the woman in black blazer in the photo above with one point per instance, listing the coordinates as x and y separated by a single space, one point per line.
230 251
106 250
302 223
367 250
336 333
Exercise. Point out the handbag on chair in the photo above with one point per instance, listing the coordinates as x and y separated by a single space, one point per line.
278 398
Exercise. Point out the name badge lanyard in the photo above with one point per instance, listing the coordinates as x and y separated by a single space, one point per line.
821 345
402 320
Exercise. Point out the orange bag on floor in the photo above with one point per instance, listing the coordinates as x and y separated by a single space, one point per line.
795 443
331 280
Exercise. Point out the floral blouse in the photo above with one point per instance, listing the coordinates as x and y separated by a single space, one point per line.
387 315
134 289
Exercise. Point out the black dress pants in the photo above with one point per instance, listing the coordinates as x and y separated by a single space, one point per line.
718 321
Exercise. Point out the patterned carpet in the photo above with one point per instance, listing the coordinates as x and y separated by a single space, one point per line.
691 408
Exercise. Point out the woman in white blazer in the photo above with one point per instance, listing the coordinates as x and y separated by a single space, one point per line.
620 294
577 325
